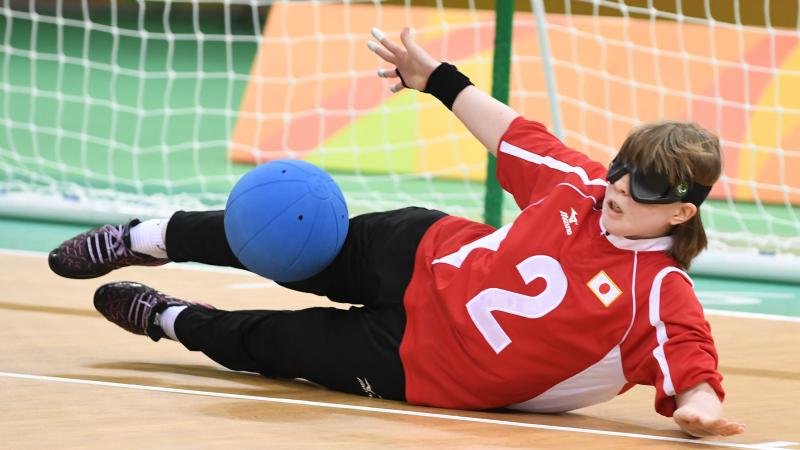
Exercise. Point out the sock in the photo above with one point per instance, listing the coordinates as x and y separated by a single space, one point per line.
166 320
147 238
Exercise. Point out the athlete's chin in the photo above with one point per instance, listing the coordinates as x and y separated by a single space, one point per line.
613 224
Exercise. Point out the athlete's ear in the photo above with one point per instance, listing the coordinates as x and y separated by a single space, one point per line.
682 213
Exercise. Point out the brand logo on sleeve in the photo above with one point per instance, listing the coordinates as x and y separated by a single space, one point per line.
604 288
569 220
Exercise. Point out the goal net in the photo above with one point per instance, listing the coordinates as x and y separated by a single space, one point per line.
732 67
122 108
138 109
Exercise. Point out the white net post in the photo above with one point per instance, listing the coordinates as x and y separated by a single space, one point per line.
618 65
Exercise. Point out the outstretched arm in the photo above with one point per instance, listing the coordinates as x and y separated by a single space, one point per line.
699 413
485 117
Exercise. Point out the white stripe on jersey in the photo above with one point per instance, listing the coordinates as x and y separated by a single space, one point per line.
490 241
550 162
661 329
633 297
594 207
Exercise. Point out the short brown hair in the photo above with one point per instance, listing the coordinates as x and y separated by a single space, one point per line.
681 151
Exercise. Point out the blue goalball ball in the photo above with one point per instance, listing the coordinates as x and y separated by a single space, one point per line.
286 220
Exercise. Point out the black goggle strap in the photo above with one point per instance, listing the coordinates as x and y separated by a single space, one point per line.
697 194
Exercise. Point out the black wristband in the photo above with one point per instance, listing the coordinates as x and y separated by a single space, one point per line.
445 83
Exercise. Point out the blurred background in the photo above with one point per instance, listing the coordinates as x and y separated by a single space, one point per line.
112 110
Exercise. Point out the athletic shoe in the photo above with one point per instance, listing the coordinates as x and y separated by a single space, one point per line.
136 307
98 252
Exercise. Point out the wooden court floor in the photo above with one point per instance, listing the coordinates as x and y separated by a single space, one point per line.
69 379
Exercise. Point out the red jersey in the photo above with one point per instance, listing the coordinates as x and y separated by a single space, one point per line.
549 313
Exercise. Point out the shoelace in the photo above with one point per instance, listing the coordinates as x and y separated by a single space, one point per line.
140 308
109 238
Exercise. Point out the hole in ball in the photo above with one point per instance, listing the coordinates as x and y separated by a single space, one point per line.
300 217
283 171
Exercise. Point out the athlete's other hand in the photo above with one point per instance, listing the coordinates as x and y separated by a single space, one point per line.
699 424
411 61
699 413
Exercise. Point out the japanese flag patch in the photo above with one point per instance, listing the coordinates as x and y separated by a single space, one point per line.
604 288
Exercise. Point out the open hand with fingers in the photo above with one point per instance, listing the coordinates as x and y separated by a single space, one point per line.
699 413
700 424
484 116
413 65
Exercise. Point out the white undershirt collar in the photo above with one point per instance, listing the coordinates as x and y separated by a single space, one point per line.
659 244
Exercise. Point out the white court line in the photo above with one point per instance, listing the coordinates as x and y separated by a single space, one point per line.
776 444
376 410
8 251
178 266
748 293
204 268
749 315
265 285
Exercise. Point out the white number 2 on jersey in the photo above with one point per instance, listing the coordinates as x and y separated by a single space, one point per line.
480 308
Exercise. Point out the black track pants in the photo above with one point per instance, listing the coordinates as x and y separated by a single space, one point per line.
354 350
